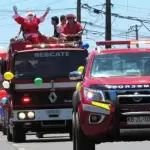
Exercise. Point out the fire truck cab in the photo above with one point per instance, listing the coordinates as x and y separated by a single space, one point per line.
40 92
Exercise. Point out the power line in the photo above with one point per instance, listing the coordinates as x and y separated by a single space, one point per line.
135 29
97 11
133 7
37 10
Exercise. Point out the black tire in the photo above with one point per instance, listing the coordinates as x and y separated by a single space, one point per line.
115 132
82 141
73 131
9 135
0 127
4 130
39 135
18 135
75 101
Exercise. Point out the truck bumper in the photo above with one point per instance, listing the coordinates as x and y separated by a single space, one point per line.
98 127
43 120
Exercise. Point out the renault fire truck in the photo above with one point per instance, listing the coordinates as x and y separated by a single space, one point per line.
45 108
114 94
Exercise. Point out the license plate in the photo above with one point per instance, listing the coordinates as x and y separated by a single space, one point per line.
53 111
141 120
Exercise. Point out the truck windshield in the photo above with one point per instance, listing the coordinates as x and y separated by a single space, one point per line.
122 64
48 64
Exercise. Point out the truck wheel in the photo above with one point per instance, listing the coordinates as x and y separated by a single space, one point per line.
115 134
39 135
9 135
73 131
4 130
82 141
18 135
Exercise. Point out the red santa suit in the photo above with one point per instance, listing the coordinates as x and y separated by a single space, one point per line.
30 28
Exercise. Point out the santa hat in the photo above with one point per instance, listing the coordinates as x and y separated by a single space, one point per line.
30 13
71 15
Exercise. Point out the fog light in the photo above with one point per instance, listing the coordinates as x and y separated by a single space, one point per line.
22 116
31 115
96 118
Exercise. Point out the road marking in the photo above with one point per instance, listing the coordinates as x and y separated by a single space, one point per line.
16 145
2 138
21 149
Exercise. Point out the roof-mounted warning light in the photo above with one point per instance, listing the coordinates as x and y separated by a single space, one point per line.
130 42
59 45
46 46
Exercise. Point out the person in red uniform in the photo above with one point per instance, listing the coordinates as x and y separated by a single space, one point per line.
72 28
30 25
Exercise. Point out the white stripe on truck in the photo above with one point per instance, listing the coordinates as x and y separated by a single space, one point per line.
46 85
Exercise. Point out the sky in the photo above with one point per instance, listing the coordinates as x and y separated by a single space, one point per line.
134 8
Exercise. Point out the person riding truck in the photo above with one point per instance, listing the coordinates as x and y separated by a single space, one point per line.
72 30
30 25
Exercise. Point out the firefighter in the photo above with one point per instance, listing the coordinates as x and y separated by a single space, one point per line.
30 25
72 28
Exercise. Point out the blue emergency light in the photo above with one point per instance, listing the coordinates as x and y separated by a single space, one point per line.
85 45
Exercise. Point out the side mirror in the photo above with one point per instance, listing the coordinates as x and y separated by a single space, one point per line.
75 75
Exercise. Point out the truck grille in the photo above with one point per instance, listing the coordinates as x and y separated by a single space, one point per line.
41 98
129 100
133 100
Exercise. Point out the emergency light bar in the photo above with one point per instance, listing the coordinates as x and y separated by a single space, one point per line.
46 46
60 45
123 42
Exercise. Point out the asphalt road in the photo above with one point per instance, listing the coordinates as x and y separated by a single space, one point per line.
61 142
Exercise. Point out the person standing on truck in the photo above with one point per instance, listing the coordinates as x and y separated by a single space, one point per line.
55 37
63 22
55 23
30 24
72 28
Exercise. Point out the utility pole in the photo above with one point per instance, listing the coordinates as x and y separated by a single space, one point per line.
108 22
79 10
135 29
137 34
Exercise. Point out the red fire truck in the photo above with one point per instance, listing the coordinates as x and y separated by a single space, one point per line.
44 108
113 94
3 55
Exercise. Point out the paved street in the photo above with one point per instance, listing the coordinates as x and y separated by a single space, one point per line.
61 142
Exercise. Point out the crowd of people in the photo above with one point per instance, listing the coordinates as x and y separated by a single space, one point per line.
65 28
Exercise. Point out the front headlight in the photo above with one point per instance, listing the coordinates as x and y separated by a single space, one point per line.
21 116
92 94
31 115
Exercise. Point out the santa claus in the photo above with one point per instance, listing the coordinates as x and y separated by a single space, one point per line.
30 25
